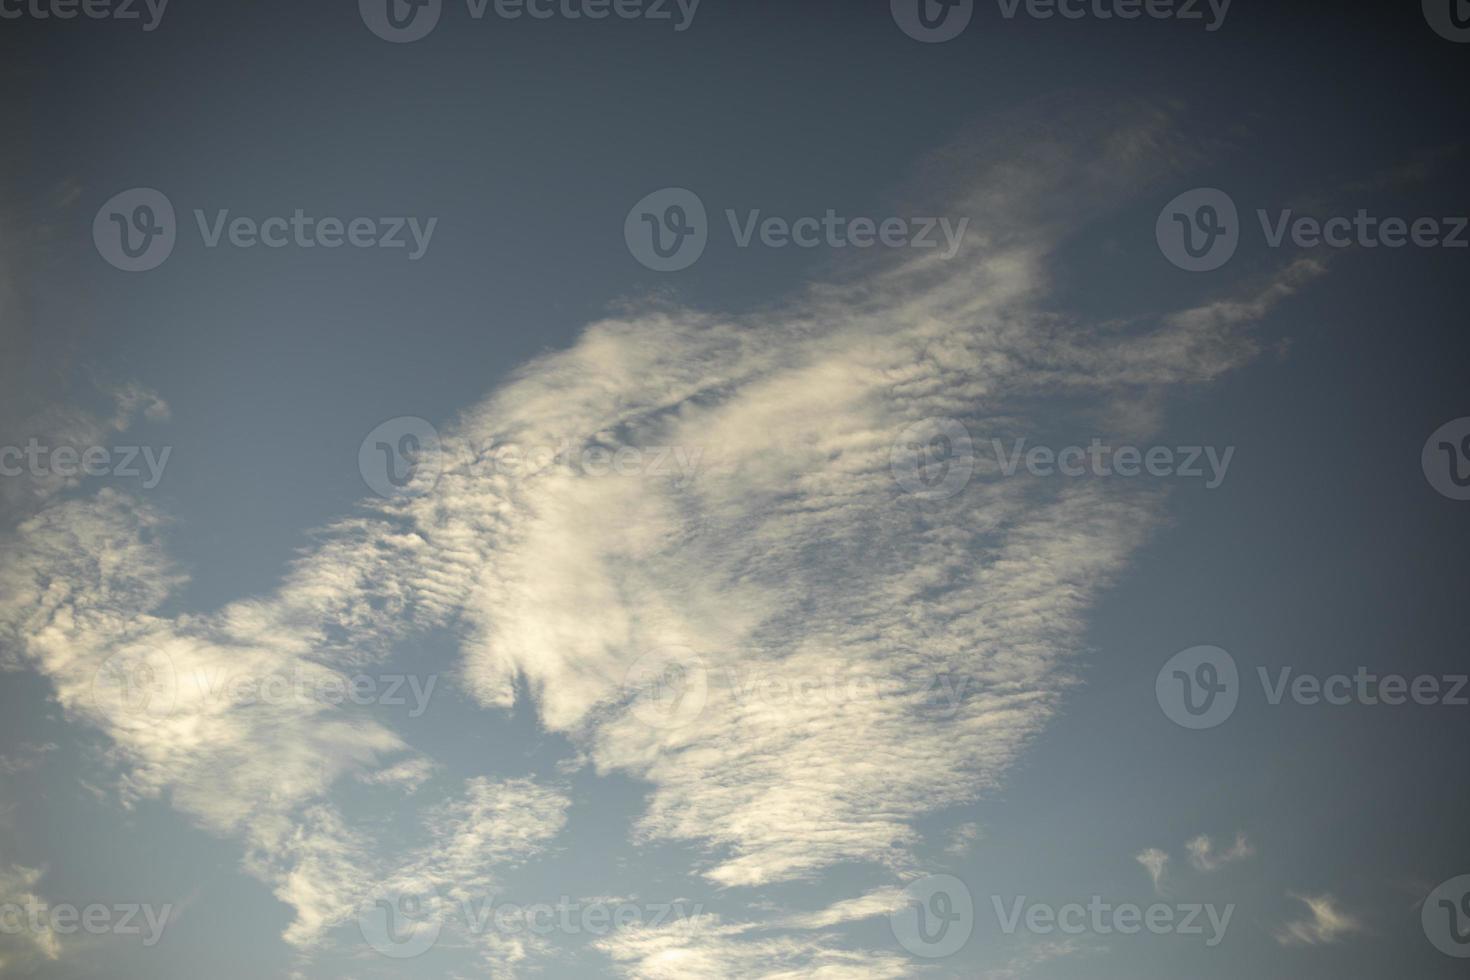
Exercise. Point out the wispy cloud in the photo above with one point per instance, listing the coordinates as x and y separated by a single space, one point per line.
1155 862
1205 856
794 557
33 942
1327 923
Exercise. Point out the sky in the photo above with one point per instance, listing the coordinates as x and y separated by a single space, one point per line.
696 490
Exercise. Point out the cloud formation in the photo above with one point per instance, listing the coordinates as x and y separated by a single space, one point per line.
1327 923
1205 856
809 608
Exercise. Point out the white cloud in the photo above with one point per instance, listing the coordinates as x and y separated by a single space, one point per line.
793 557
1328 923
26 940
1155 862
701 947
962 839
1205 856
1037 954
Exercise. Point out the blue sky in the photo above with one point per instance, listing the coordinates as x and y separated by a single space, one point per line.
749 618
